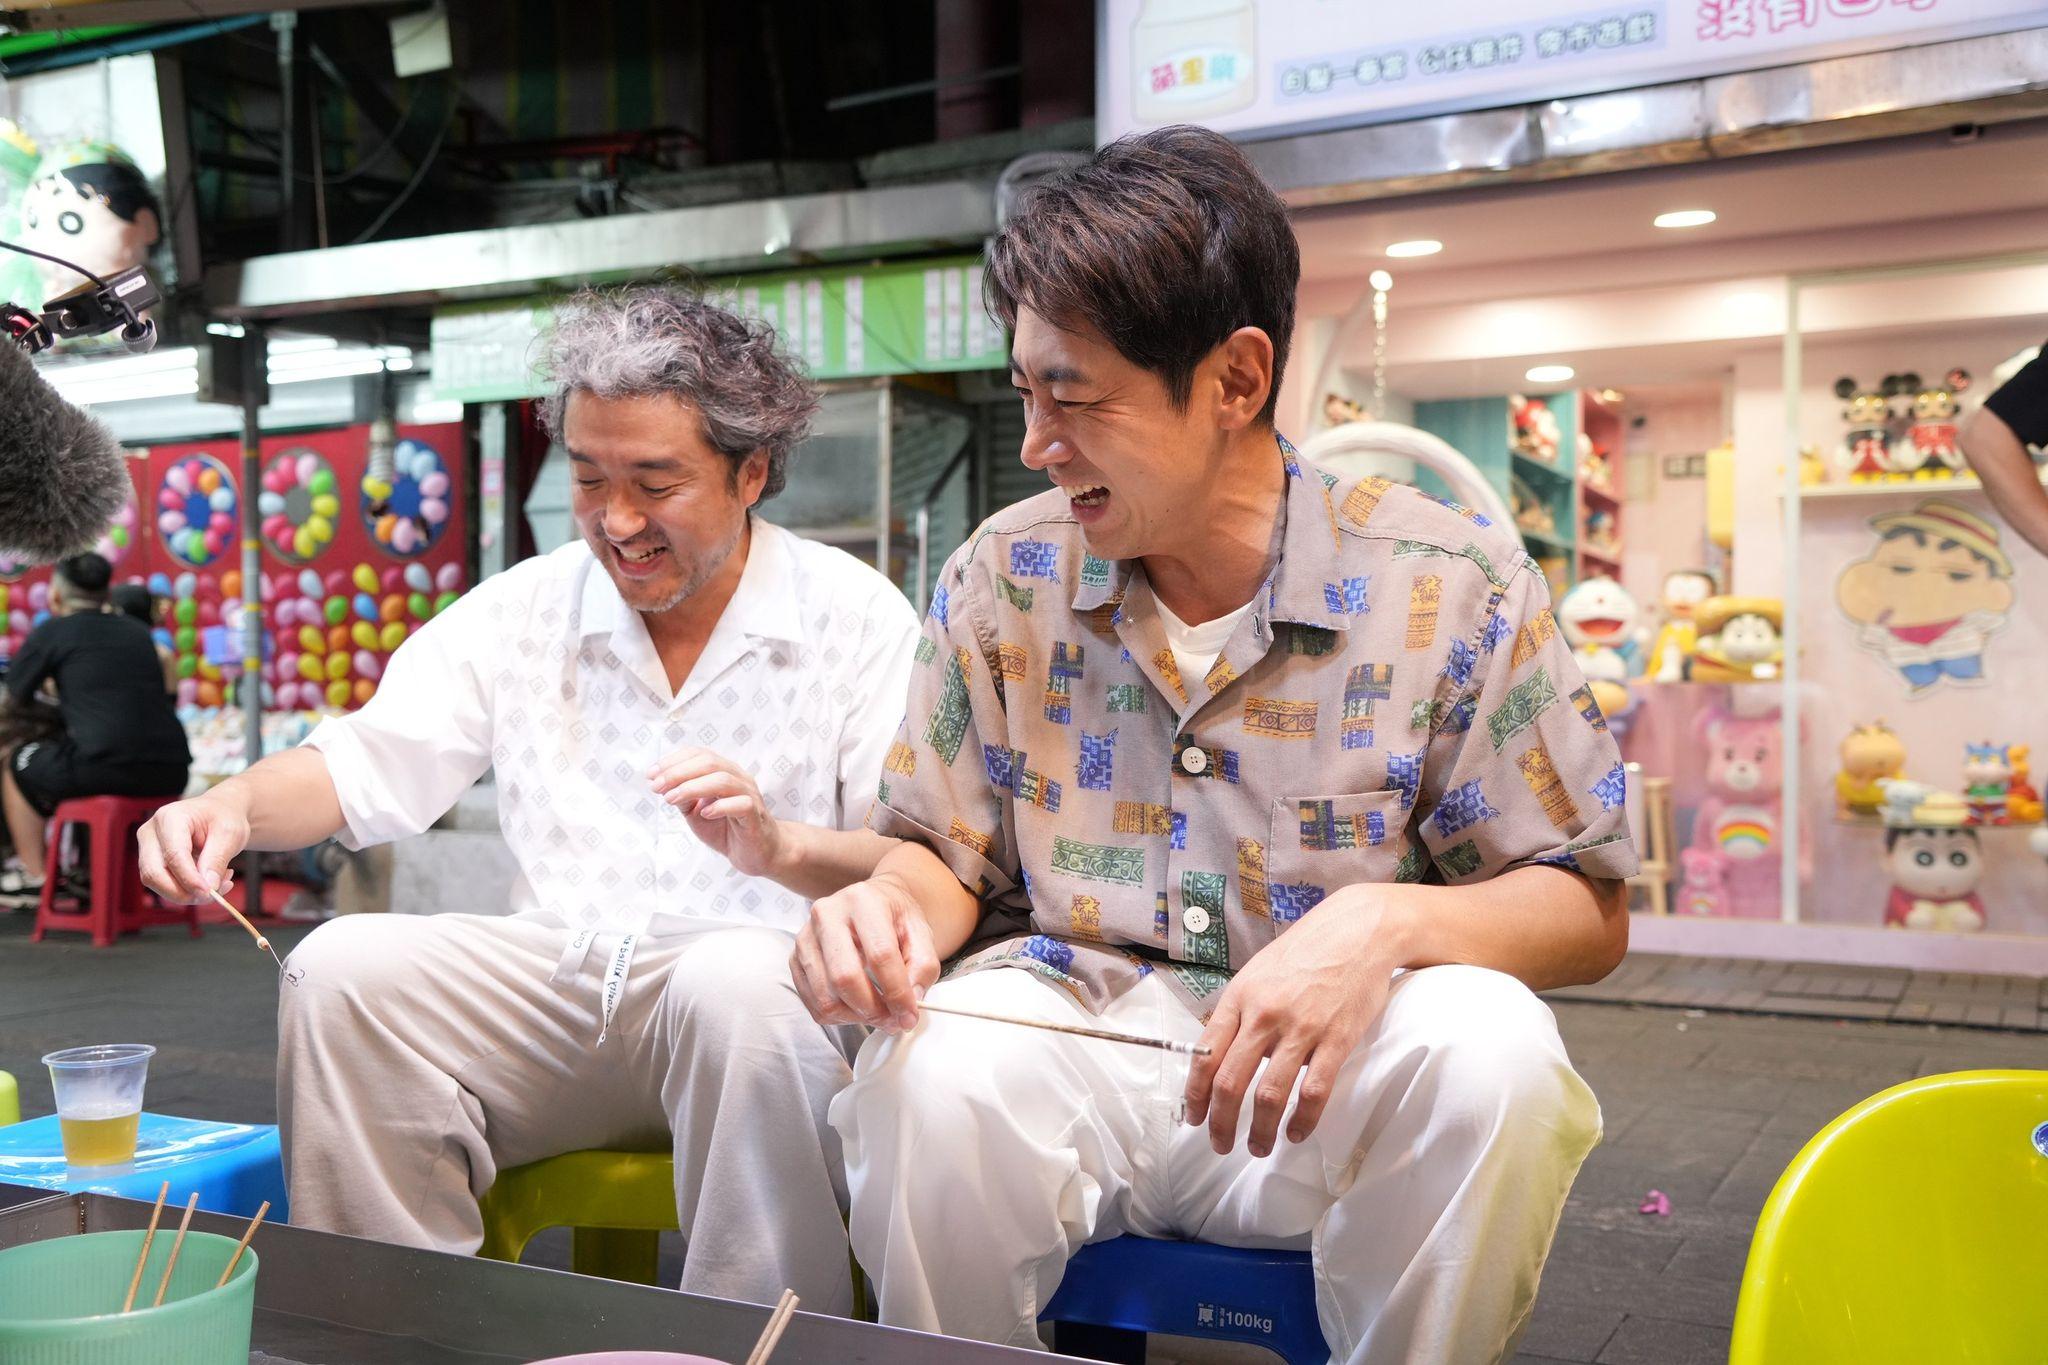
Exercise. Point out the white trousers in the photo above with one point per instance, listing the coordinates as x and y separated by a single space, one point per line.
418 1056
981 1155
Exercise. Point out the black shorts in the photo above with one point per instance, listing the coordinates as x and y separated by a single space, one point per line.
50 772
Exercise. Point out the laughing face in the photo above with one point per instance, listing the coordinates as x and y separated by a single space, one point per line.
658 505
1135 469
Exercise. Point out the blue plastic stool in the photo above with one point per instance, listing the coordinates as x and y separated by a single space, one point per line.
1117 1291
233 1166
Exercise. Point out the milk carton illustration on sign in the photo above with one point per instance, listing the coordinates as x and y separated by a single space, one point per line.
1192 60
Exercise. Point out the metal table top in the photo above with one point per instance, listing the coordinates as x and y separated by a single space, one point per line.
323 1299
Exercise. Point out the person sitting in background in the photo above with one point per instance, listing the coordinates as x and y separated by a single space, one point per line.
1995 441
120 735
142 604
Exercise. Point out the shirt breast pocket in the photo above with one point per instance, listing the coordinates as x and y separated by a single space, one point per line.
1321 843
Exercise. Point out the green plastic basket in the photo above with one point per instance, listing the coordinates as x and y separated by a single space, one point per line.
60 1302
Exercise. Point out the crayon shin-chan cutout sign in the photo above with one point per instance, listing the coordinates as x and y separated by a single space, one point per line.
1928 598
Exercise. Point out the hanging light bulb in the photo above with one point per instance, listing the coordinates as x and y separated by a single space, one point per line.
1381 282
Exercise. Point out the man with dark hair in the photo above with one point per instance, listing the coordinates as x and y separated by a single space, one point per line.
687 712
1208 744
120 735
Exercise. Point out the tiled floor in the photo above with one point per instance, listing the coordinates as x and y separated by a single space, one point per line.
1706 1105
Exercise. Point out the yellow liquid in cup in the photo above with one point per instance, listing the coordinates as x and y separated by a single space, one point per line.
99 1142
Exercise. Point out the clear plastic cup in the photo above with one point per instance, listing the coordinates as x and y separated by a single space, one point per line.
99 1100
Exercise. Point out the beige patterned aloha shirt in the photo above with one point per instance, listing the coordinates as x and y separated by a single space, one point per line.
1398 706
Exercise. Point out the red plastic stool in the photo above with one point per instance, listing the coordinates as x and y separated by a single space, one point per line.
120 903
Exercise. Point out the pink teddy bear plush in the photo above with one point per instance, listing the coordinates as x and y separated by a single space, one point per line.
1733 864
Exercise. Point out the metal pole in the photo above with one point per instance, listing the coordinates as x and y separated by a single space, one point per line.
255 382
284 22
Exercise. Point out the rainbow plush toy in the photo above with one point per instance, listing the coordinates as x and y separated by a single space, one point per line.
1732 867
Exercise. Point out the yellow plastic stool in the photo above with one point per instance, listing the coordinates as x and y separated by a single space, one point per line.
1913 1228
616 1203
10 1100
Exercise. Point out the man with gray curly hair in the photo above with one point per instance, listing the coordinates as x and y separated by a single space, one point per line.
687 711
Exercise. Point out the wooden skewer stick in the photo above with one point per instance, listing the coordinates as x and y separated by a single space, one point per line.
176 1247
243 1245
778 1321
261 942
1106 1035
135 1281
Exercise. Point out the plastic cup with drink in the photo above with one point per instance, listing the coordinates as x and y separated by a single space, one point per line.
99 1100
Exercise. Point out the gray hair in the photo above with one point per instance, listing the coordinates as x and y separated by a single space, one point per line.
664 339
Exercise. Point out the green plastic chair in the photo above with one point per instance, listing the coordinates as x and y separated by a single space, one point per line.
10 1100
1914 1228
617 1205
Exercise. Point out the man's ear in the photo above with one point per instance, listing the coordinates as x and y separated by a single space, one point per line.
1244 374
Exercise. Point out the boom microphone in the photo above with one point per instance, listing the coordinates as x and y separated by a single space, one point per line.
63 478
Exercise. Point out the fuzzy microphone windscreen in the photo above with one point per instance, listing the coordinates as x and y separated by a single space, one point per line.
63 477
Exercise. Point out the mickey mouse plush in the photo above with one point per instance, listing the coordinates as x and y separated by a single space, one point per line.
1867 445
1932 435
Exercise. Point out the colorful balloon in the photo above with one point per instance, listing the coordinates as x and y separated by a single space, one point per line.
231 583
322 482
337 640
364 690
310 584
392 636
366 606
160 584
433 511
366 664
311 641
208 480
337 667
365 578
188 666
38 596
445 601
337 610
186 639
363 635
421 607
434 485
448 578
179 478
391 608
188 693
339 692
418 579
310 668
185 611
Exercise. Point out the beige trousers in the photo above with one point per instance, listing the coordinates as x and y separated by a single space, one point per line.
982 1155
420 1055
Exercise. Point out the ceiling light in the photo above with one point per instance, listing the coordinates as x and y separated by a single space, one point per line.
1380 280
1423 246
1549 374
1685 218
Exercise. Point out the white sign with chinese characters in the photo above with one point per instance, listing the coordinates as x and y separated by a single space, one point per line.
1257 68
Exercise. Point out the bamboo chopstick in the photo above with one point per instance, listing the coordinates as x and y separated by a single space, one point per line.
135 1281
261 942
1106 1035
243 1245
176 1247
778 1322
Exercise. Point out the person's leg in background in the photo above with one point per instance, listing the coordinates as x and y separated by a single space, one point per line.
25 823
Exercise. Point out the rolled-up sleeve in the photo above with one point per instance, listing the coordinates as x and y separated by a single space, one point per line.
935 788
1535 776
424 738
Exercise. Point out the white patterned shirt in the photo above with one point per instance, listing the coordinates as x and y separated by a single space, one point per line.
544 672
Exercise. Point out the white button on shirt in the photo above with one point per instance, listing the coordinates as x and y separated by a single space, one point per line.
546 673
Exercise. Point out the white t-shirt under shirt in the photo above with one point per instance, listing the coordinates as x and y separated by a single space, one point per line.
1195 647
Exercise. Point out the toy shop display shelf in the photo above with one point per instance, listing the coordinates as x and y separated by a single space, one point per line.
1557 472
1599 496
1961 483
2005 827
